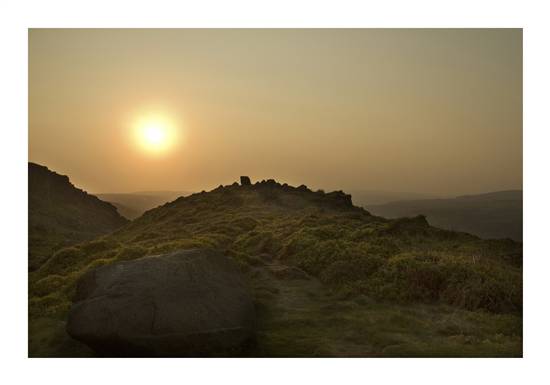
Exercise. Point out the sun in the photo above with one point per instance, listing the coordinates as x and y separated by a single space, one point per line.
155 134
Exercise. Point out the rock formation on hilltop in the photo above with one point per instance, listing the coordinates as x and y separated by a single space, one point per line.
245 181
61 214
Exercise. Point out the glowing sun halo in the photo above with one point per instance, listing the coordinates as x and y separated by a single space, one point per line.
155 134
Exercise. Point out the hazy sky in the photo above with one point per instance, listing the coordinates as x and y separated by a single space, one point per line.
436 111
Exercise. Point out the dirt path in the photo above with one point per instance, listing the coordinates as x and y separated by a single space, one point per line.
299 317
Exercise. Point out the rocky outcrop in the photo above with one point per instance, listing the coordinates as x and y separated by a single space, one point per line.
413 226
186 303
273 193
245 181
339 198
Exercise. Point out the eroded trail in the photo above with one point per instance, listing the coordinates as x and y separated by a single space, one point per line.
300 317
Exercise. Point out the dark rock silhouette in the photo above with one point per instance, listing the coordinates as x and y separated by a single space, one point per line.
186 303
339 198
245 181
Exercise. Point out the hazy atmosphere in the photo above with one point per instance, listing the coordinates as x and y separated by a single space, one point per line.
436 111
362 193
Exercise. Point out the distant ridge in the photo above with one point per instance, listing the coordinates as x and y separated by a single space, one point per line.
132 205
378 197
496 214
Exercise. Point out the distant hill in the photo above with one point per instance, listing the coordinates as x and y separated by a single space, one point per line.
61 214
133 205
327 277
492 215
378 197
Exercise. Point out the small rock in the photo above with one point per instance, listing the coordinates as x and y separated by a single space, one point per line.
288 272
245 181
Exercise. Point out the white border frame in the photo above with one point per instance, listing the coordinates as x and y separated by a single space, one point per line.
16 17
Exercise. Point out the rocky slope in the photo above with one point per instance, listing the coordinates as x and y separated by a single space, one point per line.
328 278
61 214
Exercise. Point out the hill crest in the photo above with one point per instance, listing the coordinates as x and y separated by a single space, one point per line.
61 214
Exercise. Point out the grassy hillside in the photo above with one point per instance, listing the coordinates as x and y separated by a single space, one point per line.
329 278
492 215
61 214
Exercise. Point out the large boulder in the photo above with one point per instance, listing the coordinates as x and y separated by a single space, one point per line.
186 303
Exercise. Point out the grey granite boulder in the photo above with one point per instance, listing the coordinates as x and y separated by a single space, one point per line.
186 303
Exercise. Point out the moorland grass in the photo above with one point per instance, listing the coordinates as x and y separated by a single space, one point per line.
401 265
